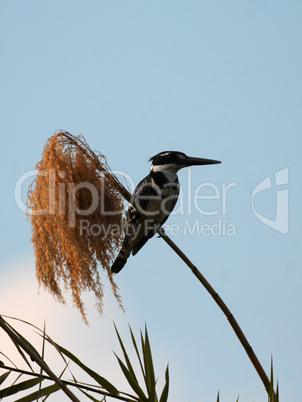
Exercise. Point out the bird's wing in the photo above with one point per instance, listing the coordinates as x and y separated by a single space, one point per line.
140 199
173 201
141 230
148 198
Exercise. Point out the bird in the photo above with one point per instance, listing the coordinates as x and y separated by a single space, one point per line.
153 201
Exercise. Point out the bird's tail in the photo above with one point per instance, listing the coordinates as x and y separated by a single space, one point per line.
122 256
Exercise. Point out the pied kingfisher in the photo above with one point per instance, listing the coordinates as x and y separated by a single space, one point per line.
155 197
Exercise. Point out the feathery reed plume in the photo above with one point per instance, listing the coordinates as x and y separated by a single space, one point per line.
76 215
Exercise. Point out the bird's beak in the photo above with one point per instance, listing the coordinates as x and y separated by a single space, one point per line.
191 161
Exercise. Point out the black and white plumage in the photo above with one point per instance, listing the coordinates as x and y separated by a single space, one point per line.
154 198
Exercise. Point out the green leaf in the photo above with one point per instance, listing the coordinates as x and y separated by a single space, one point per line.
91 397
152 395
164 394
130 368
19 387
272 379
148 363
41 392
4 376
277 392
137 352
18 343
99 379
132 381
217 400
43 352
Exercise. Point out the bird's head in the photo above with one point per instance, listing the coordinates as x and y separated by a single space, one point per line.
173 161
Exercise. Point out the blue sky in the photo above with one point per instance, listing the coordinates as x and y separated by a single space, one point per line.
219 80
